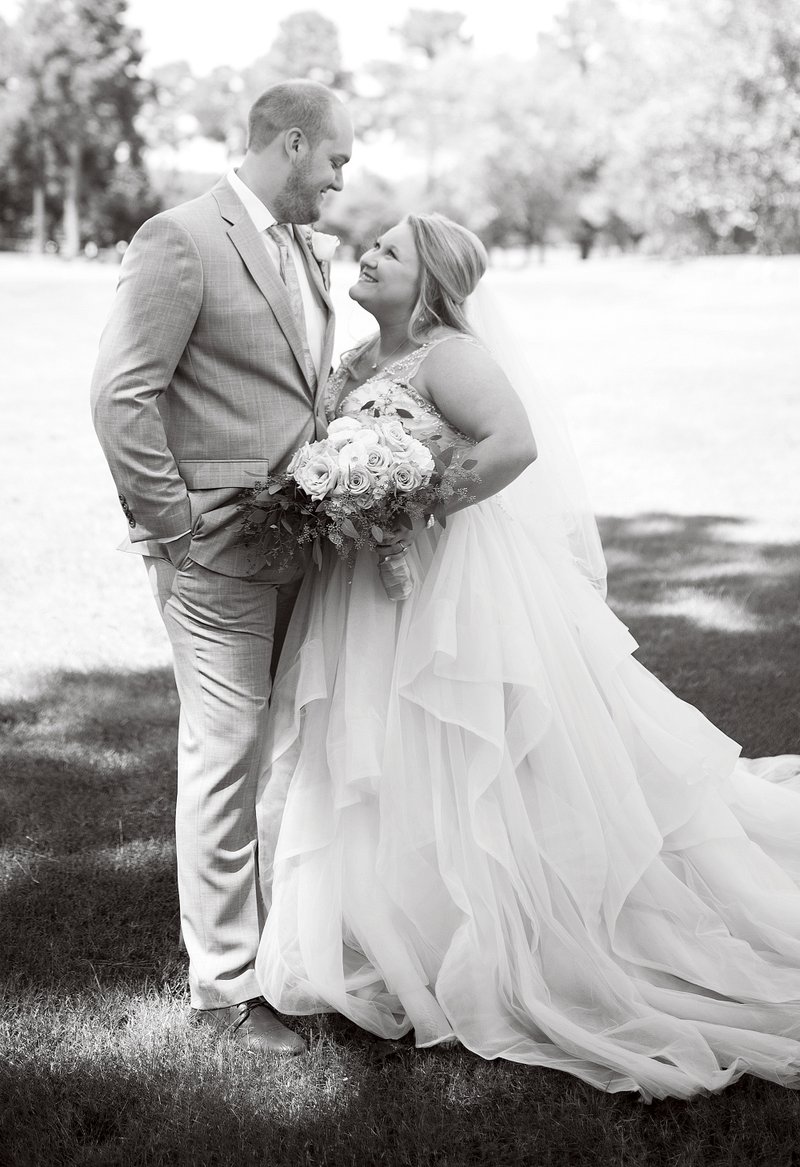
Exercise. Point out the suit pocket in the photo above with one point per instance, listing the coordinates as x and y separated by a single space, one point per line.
199 474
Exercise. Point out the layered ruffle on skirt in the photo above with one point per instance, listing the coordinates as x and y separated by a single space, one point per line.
481 818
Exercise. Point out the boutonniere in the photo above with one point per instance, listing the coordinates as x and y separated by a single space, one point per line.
323 247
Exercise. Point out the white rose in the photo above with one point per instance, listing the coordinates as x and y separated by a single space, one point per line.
357 450
324 246
378 460
299 457
356 480
342 430
393 434
421 457
319 473
406 476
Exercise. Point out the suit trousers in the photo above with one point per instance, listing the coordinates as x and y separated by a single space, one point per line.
226 635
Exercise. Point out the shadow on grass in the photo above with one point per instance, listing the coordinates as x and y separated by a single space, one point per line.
717 619
86 851
89 926
87 794
340 1107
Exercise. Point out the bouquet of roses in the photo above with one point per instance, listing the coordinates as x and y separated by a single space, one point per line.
368 475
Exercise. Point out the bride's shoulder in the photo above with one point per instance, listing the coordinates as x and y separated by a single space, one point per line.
445 332
452 355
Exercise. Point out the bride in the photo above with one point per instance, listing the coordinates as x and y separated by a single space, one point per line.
481 818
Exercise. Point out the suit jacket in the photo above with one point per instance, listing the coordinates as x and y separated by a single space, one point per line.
200 386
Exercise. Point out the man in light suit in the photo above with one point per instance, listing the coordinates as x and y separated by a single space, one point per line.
210 375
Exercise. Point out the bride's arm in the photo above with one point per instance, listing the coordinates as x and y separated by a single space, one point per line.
471 391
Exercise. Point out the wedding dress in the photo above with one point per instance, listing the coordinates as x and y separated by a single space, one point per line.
483 819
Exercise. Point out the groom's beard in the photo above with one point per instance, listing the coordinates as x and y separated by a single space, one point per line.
299 201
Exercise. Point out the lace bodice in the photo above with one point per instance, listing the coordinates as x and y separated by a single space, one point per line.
390 391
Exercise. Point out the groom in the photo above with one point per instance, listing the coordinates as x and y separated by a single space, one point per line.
210 375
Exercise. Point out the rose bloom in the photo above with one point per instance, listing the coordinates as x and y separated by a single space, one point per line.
298 458
379 459
356 480
342 430
324 245
406 476
360 442
357 453
420 456
318 475
393 434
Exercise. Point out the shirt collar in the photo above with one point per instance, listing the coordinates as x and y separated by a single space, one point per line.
261 216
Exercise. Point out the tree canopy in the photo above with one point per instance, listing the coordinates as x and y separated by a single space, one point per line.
673 127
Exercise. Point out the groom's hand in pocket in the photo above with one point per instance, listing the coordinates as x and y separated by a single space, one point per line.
178 549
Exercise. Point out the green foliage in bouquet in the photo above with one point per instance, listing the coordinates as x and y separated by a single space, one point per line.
368 476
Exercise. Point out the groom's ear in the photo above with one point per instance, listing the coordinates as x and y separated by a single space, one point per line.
295 142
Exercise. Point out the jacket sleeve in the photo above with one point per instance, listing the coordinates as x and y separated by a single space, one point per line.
156 305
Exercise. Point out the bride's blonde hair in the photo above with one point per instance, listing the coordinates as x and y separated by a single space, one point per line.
452 261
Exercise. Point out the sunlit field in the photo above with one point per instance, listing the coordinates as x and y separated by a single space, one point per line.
681 382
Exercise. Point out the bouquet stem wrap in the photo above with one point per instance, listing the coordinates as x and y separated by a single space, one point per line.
396 576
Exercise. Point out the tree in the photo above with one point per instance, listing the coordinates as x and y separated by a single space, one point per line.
433 32
79 73
219 106
723 173
700 119
307 45
421 98
16 171
364 210
166 118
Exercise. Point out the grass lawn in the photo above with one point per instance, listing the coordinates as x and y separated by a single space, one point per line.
681 383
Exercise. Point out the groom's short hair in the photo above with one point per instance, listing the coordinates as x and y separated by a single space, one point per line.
308 105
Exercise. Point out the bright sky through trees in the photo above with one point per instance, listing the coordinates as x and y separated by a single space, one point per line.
239 31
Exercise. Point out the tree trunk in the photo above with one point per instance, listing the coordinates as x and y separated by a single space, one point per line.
72 194
38 221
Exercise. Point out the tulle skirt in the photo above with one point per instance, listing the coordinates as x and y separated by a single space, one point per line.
482 819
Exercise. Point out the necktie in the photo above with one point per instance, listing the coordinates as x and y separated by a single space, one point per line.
280 234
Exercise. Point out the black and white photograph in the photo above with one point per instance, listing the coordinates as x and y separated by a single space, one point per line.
400 621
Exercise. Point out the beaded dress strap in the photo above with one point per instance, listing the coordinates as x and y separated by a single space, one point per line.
410 365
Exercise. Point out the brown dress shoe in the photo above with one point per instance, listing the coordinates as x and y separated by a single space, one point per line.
253 1025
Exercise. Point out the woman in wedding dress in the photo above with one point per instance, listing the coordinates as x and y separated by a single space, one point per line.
481 818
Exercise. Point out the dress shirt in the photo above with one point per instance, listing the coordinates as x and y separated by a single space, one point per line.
262 217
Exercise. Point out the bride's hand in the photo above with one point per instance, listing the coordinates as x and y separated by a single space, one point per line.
398 537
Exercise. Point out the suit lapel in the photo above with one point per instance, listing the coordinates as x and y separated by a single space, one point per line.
313 269
250 245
